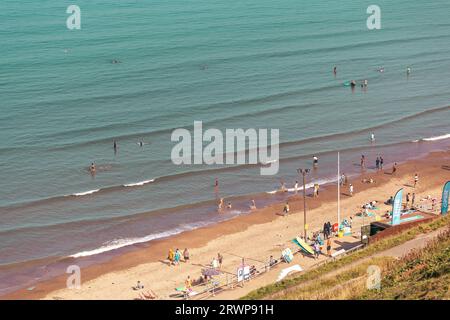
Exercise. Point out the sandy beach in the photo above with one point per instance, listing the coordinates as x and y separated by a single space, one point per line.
254 237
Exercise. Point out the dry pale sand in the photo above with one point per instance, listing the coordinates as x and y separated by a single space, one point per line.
255 237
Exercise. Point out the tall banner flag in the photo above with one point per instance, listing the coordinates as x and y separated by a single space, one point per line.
397 207
445 194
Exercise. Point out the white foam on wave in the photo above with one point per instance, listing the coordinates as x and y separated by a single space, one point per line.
265 163
120 243
436 138
307 186
445 136
85 193
140 183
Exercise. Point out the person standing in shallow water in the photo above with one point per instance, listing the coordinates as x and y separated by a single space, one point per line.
315 162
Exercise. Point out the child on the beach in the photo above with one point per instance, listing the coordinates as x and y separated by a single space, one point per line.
286 208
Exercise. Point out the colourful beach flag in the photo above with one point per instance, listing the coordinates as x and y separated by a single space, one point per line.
445 194
397 207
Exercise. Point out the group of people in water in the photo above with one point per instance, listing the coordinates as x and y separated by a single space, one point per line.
365 83
93 167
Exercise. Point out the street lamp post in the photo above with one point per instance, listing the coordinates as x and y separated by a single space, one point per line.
304 172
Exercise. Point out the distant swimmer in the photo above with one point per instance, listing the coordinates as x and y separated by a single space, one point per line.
335 70
408 70
366 83
115 61
115 145
92 168
353 83
380 69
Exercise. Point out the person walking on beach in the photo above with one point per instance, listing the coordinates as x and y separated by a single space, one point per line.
186 255
219 260
363 161
286 208
377 163
413 199
171 256
296 187
329 247
316 190
350 190
394 168
416 179
177 257
253 205
372 137
381 163
316 250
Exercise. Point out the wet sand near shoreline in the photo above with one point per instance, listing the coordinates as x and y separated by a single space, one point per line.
255 236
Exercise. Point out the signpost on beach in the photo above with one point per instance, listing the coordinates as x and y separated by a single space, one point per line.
445 196
397 207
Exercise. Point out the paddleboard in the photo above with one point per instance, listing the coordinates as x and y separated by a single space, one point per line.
303 245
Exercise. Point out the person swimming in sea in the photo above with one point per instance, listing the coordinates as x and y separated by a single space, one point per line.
92 168
115 61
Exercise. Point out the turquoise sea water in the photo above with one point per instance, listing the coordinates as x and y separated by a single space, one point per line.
230 64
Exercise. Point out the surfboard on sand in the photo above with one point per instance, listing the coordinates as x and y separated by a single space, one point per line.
303 245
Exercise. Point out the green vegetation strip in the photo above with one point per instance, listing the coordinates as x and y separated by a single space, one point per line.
384 244
422 274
